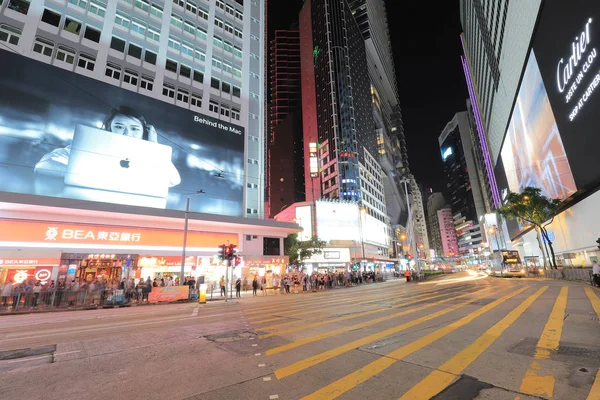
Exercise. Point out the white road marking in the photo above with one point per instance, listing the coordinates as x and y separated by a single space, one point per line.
267 378
273 396
257 354
195 312
254 345
31 359
67 352
261 365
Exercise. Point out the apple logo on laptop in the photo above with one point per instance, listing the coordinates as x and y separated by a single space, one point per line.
124 163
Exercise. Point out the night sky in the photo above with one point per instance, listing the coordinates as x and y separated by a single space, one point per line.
426 47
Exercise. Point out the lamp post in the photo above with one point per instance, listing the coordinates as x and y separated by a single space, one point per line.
185 234
493 230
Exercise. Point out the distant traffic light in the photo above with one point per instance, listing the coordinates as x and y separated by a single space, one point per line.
408 257
223 252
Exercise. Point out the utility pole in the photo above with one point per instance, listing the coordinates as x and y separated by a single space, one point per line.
185 233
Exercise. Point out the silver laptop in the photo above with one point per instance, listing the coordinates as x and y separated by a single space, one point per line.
108 161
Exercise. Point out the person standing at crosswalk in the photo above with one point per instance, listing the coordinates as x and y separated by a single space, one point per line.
596 272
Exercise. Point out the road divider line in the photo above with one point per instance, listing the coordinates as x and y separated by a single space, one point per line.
414 299
344 318
326 355
537 381
441 378
365 373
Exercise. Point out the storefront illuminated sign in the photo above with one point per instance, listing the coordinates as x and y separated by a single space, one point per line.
56 235
313 160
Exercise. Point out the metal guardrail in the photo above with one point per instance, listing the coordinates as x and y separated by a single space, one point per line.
570 274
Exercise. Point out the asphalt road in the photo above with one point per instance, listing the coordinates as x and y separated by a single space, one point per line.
460 337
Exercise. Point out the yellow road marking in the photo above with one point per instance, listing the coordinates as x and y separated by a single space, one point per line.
414 299
262 321
335 332
595 391
361 375
536 381
439 379
344 318
326 355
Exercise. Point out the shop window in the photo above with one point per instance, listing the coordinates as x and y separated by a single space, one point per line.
21 6
72 26
43 46
150 57
51 18
92 34
9 34
147 83
86 62
117 44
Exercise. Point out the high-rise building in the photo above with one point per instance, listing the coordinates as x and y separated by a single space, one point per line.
462 185
421 238
284 76
372 20
435 202
140 113
447 233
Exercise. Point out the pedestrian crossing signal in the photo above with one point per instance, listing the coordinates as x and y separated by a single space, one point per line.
222 252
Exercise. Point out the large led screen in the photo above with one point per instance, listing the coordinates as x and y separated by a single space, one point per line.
69 136
533 153
567 47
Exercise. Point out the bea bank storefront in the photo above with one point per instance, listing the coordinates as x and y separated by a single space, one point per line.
45 243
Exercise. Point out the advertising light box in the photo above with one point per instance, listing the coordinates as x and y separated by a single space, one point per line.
65 135
566 45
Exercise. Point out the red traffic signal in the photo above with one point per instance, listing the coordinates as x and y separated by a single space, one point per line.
237 261
231 250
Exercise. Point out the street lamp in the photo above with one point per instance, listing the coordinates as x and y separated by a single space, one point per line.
363 210
185 233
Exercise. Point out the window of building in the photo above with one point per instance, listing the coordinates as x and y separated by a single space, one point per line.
235 114
219 23
171 65
98 8
168 90
225 110
117 44
113 71
236 91
21 6
147 83
180 3
253 37
9 34
139 27
187 49
215 83
51 18
254 95
199 55
238 72
65 55
130 77
185 71
198 76
122 19
79 3
229 10
43 46
217 41
191 7
189 27
174 43
238 33
154 33
201 33
253 116
202 13
196 100
86 62
256 21
156 11
229 28
150 57
239 15
142 5
227 67
183 95
176 21
213 106
134 51
237 52
92 34
225 87
228 47
220 5
216 62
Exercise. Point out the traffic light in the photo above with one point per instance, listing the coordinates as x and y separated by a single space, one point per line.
230 251
408 257
237 261
222 252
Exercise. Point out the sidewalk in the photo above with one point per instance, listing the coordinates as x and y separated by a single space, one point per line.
215 298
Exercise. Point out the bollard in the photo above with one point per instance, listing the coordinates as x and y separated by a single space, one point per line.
202 294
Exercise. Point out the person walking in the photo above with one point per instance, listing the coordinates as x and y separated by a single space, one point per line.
6 292
407 275
222 284
238 287
254 286
596 272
